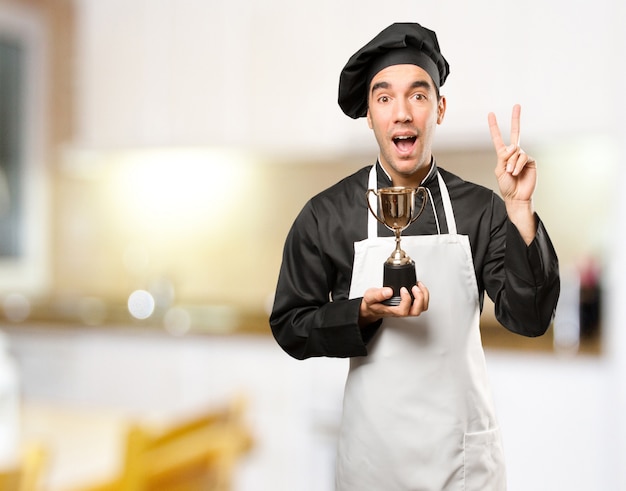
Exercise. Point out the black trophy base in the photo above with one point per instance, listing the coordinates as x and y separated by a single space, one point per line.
396 277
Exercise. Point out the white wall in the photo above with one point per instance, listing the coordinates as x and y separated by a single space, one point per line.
264 74
616 308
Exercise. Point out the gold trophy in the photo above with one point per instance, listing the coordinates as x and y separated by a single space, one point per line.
397 207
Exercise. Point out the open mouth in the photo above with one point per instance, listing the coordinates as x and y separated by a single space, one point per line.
404 143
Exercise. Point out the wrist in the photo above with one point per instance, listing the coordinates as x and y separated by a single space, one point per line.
519 207
522 214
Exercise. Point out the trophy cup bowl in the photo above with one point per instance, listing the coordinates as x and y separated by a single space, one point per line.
396 206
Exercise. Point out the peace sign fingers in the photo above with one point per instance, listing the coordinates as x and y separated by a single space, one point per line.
496 136
515 169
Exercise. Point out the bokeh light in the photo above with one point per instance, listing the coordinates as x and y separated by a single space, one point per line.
141 304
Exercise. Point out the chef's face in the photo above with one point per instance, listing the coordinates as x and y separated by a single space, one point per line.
403 111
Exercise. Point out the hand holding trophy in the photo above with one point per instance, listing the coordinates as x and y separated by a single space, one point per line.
397 207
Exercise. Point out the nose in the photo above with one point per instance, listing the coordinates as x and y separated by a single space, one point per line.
402 111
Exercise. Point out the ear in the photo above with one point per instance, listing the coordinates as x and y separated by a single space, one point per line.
369 120
441 109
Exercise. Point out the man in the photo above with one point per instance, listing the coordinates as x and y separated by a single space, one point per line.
417 410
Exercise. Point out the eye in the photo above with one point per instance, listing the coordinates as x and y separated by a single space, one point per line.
383 99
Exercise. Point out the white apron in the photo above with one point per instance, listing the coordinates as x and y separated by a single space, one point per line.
418 412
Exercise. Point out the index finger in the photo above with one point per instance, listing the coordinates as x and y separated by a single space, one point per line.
515 124
496 137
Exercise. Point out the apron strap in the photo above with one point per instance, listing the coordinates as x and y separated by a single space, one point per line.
447 205
372 223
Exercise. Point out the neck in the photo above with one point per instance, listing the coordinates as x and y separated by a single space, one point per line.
412 180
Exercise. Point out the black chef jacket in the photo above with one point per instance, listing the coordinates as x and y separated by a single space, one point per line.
312 314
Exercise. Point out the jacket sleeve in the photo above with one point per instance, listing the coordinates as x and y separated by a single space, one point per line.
524 283
305 321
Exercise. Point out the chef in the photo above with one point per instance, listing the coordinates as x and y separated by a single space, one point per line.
418 411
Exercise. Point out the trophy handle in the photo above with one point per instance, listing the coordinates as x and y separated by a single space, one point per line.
375 213
419 190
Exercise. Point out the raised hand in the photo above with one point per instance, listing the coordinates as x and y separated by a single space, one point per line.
516 171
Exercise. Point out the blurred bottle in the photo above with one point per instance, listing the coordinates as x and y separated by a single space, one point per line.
9 406
590 299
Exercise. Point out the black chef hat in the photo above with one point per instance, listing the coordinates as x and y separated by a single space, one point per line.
399 43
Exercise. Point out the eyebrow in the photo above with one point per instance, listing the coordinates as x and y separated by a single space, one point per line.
415 85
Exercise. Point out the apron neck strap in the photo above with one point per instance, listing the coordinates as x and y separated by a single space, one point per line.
372 223
447 205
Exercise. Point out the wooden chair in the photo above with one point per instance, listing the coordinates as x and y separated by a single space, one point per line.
28 473
196 455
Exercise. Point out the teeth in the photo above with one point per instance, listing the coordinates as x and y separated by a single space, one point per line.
403 137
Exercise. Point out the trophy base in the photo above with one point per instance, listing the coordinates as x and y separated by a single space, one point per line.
396 277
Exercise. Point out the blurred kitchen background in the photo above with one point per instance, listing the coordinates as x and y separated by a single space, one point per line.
153 155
